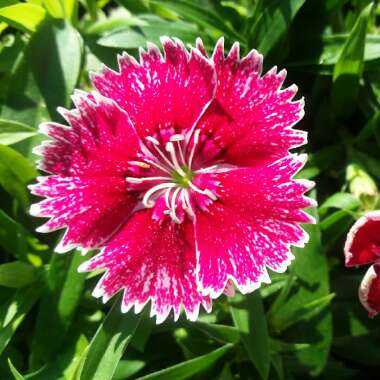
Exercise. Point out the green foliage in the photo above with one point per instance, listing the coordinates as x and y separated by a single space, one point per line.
308 322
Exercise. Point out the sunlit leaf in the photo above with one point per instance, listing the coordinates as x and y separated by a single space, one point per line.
23 16
349 68
100 360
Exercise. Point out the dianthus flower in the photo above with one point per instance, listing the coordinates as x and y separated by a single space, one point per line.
178 168
363 247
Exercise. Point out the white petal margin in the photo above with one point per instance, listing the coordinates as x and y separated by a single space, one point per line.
373 215
365 288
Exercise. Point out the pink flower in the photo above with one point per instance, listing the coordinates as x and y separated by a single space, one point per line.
363 247
179 169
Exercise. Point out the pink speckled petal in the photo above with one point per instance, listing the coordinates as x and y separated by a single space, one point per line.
151 261
169 92
99 141
369 291
251 117
91 207
252 226
363 240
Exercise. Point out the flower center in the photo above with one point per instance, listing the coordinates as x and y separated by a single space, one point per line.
183 180
168 174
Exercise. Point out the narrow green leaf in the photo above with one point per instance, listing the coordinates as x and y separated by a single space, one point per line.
17 274
13 312
108 345
92 8
248 316
332 46
200 15
128 368
25 17
54 7
70 9
127 39
311 287
57 77
12 132
349 68
372 128
39 83
19 242
221 333
16 374
13 236
273 21
57 307
344 201
189 368
15 172
65 363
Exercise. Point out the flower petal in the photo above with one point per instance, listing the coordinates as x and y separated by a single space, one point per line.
251 226
151 261
363 240
100 140
92 208
251 116
170 92
369 291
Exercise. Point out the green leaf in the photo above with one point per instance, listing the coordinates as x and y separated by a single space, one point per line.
248 316
272 23
15 172
332 46
200 15
17 274
16 374
349 68
311 291
56 78
12 132
128 368
39 83
13 236
221 333
189 368
58 305
345 201
64 365
127 39
70 9
372 128
108 345
54 7
13 312
25 17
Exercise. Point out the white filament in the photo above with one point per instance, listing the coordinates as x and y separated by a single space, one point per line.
171 163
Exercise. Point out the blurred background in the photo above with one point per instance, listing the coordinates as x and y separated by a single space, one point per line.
308 323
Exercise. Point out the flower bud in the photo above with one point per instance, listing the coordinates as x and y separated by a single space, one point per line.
362 186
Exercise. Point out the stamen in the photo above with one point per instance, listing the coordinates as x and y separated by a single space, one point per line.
141 164
157 165
143 179
207 170
173 205
146 201
167 195
186 204
196 140
153 140
171 150
206 192
177 137
159 151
